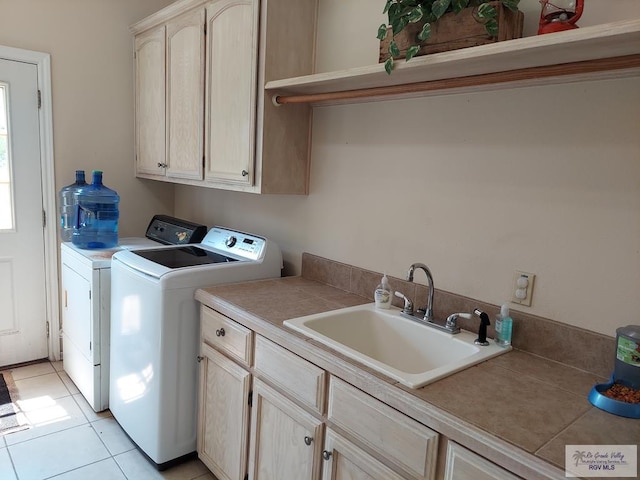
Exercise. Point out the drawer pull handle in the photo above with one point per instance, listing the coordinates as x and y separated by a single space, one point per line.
308 440
220 332
326 454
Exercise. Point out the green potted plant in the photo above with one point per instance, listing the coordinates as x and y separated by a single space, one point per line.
403 13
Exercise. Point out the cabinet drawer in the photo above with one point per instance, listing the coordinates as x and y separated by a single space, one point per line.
394 436
226 335
291 373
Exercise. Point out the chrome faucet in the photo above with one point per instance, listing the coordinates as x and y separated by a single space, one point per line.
428 311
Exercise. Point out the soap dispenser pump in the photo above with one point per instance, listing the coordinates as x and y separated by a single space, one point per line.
382 294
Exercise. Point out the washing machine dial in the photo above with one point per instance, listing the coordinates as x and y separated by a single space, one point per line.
230 241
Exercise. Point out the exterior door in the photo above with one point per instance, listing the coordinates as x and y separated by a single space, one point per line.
22 263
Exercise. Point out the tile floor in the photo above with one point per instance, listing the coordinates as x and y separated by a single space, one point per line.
69 441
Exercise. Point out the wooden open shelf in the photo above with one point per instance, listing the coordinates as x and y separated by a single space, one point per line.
610 50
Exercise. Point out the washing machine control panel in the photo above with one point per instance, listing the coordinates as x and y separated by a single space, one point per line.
242 244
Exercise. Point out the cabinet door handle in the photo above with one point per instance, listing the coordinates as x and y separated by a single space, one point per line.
308 440
199 358
326 454
220 332
162 165
244 173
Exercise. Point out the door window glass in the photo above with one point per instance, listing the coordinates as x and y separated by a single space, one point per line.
6 197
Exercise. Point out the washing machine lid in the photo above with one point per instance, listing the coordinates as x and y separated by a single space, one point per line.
187 256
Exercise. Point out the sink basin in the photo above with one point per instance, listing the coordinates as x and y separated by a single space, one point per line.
403 349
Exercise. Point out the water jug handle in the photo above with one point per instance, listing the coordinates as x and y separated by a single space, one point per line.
79 216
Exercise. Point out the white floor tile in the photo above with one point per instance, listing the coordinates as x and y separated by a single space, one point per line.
69 441
33 390
53 416
68 383
34 370
136 467
104 470
57 453
91 415
6 468
113 436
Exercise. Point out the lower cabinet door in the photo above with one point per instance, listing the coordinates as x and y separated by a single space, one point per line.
223 421
346 461
286 440
463 464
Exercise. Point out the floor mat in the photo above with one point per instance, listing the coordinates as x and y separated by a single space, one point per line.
11 418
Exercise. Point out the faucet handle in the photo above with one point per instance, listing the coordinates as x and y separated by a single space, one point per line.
408 304
452 320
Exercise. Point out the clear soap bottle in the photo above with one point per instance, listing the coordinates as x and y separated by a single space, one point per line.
503 327
383 294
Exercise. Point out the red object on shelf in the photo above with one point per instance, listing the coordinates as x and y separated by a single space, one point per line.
559 16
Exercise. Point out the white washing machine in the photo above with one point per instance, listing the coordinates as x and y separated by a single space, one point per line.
155 327
86 302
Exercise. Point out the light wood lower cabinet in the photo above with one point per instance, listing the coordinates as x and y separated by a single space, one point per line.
223 422
346 461
286 441
463 464
407 444
262 416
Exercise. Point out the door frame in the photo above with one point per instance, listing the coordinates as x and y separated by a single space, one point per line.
42 61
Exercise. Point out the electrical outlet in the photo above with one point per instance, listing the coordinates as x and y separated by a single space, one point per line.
522 288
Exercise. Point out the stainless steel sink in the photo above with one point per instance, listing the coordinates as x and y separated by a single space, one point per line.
405 350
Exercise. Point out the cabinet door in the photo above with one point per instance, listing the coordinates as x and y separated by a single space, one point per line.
150 102
185 95
345 461
463 464
77 312
231 72
286 441
402 441
223 421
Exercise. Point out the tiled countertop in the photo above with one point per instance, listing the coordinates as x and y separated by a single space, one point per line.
518 410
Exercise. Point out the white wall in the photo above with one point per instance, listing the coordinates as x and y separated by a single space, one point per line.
92 82
544 179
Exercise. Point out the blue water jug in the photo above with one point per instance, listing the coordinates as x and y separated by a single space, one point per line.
68 206
96 215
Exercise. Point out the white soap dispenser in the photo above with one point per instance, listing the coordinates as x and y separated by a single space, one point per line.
383 293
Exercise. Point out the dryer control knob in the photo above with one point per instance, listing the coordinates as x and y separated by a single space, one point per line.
230 241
